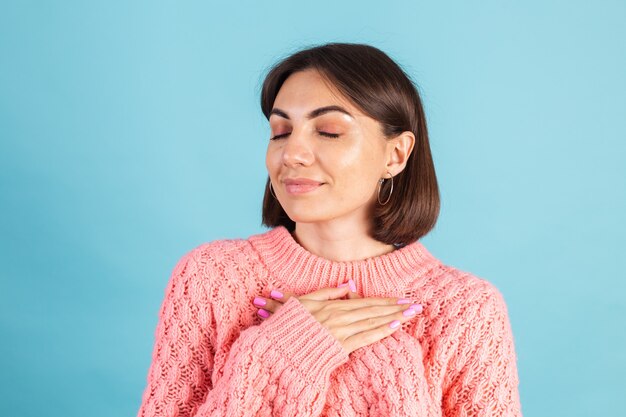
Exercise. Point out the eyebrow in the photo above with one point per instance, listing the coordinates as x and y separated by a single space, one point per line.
315 113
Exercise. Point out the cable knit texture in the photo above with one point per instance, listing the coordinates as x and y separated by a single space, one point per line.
214 356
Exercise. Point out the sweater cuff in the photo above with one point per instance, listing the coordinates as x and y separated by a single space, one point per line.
304 341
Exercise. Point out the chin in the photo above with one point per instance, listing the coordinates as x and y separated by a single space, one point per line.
310 215
306 219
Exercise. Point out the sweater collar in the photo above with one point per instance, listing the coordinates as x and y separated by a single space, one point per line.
300 271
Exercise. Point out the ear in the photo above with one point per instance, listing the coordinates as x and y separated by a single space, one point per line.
398 150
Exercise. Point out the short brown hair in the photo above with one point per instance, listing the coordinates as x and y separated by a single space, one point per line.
377 85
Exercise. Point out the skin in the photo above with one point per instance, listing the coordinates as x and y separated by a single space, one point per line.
333 220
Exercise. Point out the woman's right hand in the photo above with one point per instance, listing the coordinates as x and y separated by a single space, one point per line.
354 322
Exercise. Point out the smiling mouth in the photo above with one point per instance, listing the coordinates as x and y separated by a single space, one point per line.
301 188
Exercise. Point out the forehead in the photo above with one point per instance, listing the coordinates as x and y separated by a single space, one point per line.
306 90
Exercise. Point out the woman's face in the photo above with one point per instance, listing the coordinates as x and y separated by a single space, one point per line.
347 166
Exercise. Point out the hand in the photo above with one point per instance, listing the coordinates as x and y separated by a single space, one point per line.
355 322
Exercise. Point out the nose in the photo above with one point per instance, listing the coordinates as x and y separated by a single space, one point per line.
297 149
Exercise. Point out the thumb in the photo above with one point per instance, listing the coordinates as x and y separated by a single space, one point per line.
324 294
353 293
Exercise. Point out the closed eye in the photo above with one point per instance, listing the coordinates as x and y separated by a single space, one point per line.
279 136
329 135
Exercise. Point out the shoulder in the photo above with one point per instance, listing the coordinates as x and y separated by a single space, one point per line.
210 257
452 288
463 308
218 251
216 264
457 290
473 338
459 303
462 311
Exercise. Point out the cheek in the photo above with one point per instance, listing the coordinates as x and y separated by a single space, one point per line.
272 158
357 165
358 179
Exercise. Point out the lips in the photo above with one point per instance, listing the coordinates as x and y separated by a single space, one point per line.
301 185
301 181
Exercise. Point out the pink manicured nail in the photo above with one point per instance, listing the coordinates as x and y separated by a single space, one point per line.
342 285
409 312
276 294
263 313
417 307
352 285
394 324
258 301
404 301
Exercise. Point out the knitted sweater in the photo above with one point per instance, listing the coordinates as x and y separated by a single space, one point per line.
214 356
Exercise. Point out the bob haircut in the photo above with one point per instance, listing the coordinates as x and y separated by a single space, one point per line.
376 85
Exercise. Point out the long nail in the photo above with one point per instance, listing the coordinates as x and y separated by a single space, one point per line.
276 294
352 285
417 307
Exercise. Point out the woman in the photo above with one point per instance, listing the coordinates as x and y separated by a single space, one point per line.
338 309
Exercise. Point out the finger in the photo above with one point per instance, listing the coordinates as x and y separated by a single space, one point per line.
359 302
353 290
266 304
281 296
324 294
376 329
366 318
353 294
269 305
263 313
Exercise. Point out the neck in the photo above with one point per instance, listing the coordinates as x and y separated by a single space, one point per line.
339 243
294 268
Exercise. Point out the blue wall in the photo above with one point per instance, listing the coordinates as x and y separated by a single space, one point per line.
130 132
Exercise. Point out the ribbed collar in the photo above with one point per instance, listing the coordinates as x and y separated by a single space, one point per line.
301 271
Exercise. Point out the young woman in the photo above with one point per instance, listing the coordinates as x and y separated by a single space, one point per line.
338 309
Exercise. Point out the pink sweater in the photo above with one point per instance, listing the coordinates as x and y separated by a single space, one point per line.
214 356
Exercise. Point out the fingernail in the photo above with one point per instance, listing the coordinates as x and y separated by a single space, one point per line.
263 313
394 324
352 285
417 307
342 285
409 312
404 301
259 302
276 294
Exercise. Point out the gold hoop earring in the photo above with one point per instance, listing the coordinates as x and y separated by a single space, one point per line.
272 192
380 183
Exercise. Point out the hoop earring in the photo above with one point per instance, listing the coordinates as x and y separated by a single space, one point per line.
272 192
380 183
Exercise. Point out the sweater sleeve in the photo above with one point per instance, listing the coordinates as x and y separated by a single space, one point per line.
484 380
280 367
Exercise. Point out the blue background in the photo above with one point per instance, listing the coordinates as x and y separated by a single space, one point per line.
131 132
